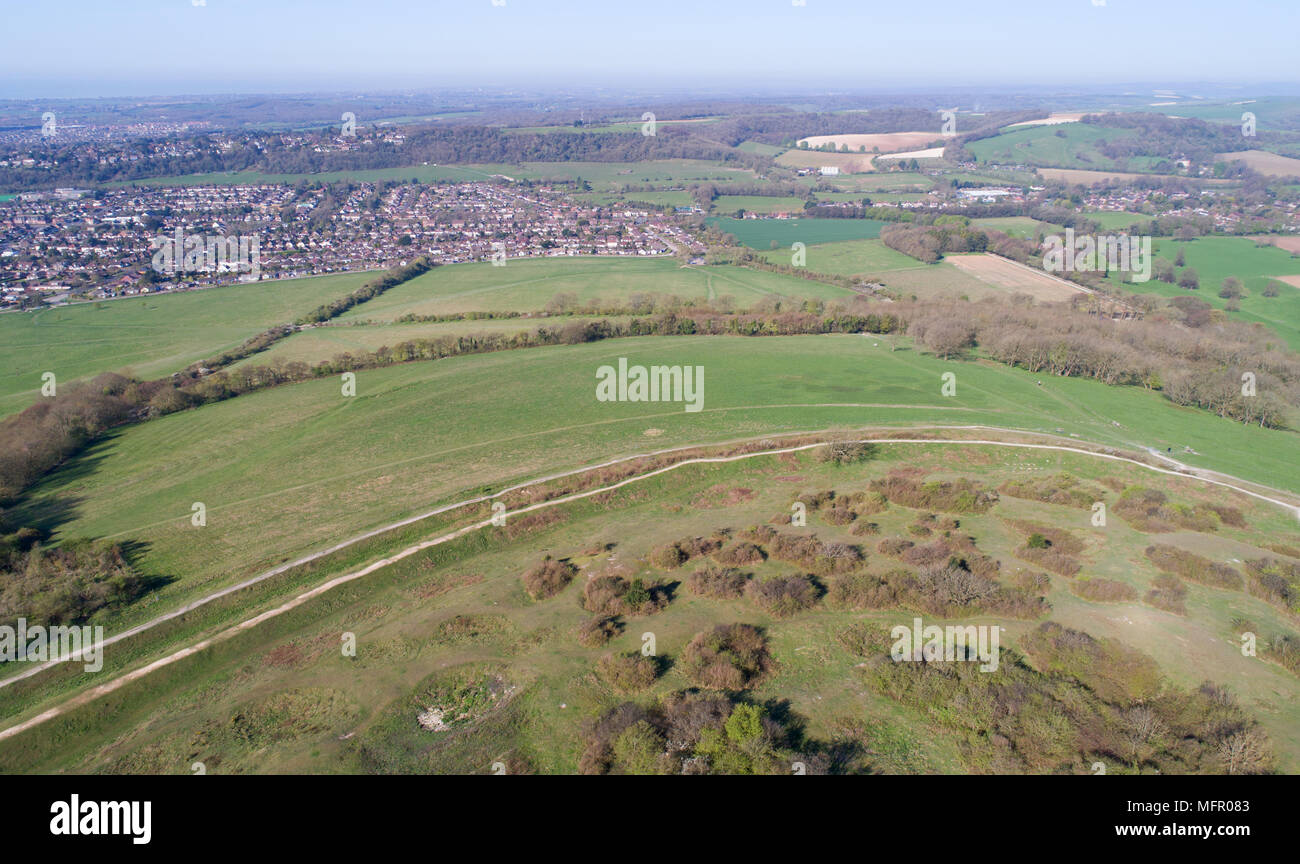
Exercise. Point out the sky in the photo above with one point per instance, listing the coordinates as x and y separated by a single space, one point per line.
84 48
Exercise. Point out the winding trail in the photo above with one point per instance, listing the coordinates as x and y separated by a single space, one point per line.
93 693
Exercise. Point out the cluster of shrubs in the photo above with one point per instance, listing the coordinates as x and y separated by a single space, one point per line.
1050 548
1029 717
1281 648
548 578
783 596
693 733
1061 489
595 632
674 555
728 657
1193 567
1168 593
1277 582
63 585
722 583
1151 511
627 673
805 550
610 595
839 509
847 452
949 496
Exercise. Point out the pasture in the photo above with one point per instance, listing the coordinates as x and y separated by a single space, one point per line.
298 467
1217 258
529 284
1059 146
149 335
762 233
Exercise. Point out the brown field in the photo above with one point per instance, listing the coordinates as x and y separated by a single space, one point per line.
935 281
850 163
888 142
1290 280
930 153
1289 244
1082 177
1013 277
1265 162
1051 120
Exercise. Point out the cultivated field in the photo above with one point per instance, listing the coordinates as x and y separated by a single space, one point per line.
1270 164
929 153
1054 119
883 142
1290 243
848 163
148 335
1014 277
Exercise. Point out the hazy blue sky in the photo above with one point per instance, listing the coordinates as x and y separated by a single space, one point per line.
148 47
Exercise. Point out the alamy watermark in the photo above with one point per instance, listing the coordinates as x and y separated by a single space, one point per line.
1088 253
60 644
214 253
932 643
653 384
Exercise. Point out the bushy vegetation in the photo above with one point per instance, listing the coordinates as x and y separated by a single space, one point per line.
692 734
1193 567
723 583
1168 593
1275 581
728 657
950 496
1151 511
807 551
1060 489
66 584
609 595
627 673
1084 700
783 596
548 578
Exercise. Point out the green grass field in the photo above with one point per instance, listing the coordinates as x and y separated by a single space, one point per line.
148 335
282 697
757 204
1017 226
760 233
666 198
324 343
899 273
1217 258
1117 221
850 258
527 285
298 467
1073 145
